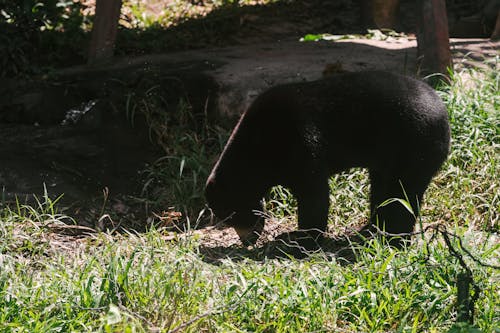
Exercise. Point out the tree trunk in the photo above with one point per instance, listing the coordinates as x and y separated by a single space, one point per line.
432 36
496 31
102 44
379 13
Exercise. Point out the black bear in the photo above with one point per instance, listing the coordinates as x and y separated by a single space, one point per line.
298 134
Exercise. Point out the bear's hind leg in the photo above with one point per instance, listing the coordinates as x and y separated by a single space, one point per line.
312 195
395 217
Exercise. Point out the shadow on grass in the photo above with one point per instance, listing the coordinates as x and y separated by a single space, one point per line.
289 245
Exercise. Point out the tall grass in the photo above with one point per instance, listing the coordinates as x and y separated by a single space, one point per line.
165 282
467 192
175 182
146 283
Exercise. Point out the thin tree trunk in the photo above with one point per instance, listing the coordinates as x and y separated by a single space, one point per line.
104 31
379 13
496 31
433 40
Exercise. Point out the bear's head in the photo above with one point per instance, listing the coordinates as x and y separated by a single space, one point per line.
232 200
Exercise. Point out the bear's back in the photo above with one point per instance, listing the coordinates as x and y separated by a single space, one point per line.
354 114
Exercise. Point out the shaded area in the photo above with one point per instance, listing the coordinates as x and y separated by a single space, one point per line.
232 25
29 48
89 136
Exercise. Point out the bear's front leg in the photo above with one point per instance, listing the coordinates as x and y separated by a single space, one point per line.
249 226
313 203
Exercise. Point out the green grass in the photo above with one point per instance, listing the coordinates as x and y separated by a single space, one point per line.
144 282
160 281
176 180
467 192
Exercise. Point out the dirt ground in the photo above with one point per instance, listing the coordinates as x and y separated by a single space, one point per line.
82 160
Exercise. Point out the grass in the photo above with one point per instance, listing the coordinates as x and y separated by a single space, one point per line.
470 176
160 281
190 144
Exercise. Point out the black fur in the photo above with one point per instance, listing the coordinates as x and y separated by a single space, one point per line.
297 135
